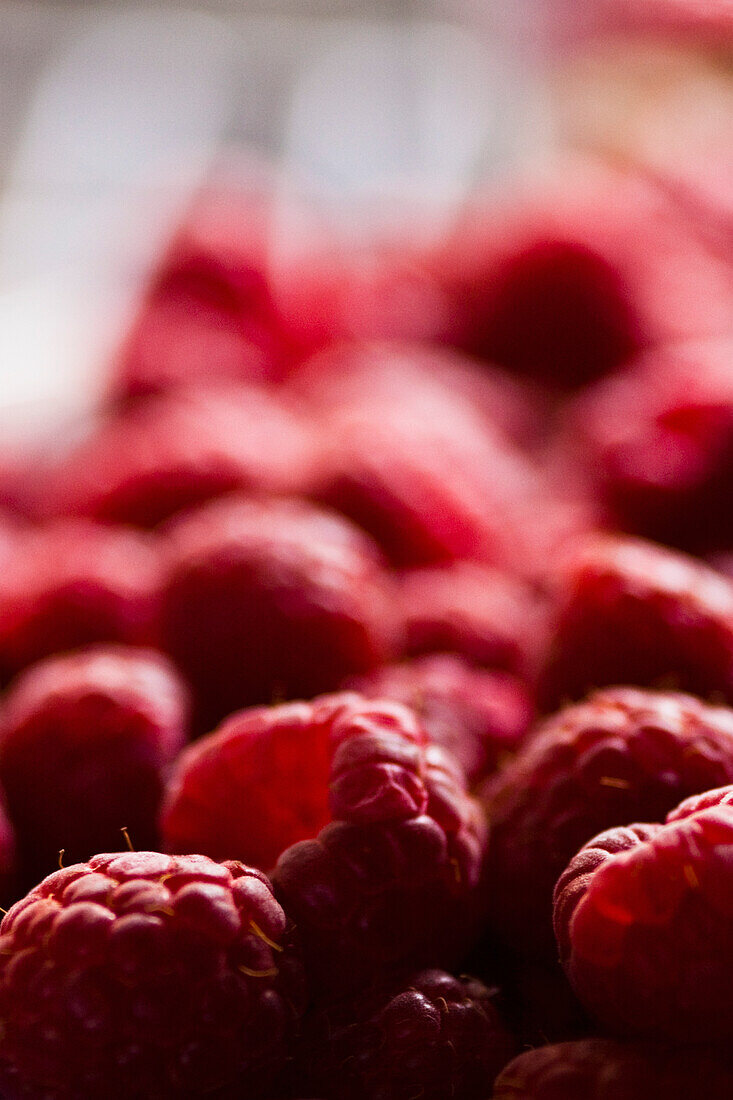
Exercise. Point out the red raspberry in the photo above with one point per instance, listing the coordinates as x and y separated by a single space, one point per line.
657 442
721 796
642 918
478 716
271 598
430 1035
487 616
73 582
174 451
392 881
624 755
631 612
564 285
146 975
602 1069
85 739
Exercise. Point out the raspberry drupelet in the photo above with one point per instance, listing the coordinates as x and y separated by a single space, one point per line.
622 755
271 599
631 612
642 919
603 1069
72 583
140 974
478 715
86 739
429 1035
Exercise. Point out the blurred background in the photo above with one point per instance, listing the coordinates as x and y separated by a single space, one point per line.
111 115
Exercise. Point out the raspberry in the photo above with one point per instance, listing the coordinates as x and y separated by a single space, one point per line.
485 615
722 796
658 443
268 599
71 583
430 1035
567 283
392 881
631 612
174 451
602 1069
624 755
85 739
146 975
478 716
642 918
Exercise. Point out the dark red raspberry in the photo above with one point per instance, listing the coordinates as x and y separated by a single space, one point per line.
642 918
71 583
657 443
631 612
486 615
173 451
85 741
477 715
430 1035
271 599
565 284
392 881
141 974
624 755
602 1069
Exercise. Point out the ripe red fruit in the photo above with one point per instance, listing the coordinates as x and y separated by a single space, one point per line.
85 741
174 451
630 612
268 599
392 881
487 616
149 975
642 918
657 444
478 715
623 755
603 1069
71 583
429 1035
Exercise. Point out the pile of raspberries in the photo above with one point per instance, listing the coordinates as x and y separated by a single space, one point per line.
366 726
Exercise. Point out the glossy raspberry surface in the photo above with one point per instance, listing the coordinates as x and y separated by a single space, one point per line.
175 450
631 612
73 582
271 599
429 1035
478 715
145 974
623 755
86 739
261 782
486 615
642 918
602 1069
393 879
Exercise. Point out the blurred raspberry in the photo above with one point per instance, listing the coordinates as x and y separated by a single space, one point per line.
392 881
73 582
602 1069
657 444
623 755
271 599
430 1035
642 918
478 716
566 283
485 615
146 975
85 741
631 612
174 451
